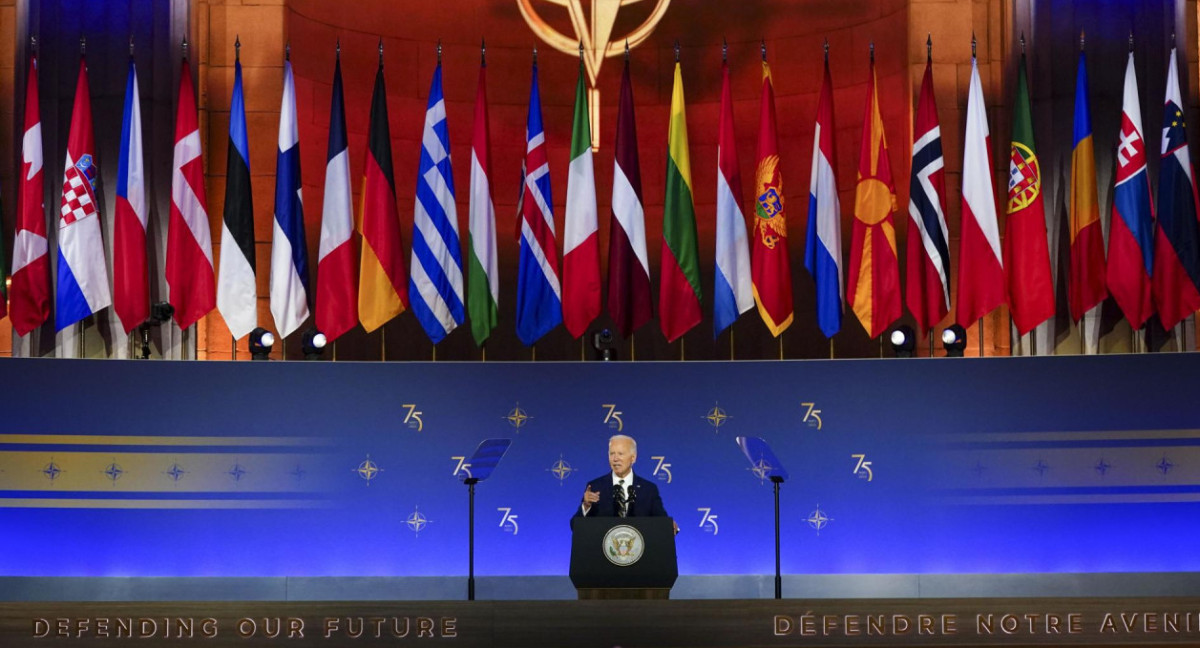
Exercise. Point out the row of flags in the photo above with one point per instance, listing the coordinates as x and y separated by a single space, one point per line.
1152 264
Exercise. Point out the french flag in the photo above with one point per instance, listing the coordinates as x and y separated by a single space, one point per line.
337 281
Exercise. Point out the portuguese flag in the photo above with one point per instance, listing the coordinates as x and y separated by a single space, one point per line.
679 288
1026 253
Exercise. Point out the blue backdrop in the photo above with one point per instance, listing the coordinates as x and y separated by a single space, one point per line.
129 468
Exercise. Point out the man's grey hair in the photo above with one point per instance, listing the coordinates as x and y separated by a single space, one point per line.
624 437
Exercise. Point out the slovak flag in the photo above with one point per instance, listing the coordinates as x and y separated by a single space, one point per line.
1130 255
82 276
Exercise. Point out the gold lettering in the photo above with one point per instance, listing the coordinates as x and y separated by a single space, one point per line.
949 624
208 628
1107 624
783 625
1149 623
924 624
808 624
246 627
268 630
81 626
901 624
41 628
331 626
1052 623
396 628
449 626
101 627
1171 622
1129 620
1074 623
295 628
350 631
852 625
829 624
62 627
985 624
1009 628
424 627
1032 618
875 625
378 623
184 625
124 626
143 624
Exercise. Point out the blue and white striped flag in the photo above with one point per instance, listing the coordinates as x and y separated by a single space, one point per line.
289 252
435 283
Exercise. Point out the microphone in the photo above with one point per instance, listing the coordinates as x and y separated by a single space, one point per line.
630 499
620 501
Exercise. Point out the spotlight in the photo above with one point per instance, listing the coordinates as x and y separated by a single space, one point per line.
261 341
314 344
954 338
904 341
602 342
160 313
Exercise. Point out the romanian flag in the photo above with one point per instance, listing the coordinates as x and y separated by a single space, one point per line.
383 279
873 289
770 271
679 290
1085 288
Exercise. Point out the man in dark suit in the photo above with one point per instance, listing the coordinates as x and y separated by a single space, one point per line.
621 493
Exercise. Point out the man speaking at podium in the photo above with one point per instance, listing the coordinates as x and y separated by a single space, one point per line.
621 493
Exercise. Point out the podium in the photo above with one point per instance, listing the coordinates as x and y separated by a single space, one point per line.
623 558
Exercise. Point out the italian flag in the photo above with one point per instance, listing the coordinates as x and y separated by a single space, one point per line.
581 242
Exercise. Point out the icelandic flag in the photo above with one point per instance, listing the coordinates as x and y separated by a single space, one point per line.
732 292
1130 255
131 298
539 295
82 276
1176 276
435 283
823 247
289 251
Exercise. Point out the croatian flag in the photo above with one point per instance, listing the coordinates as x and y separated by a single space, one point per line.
82 276
1130 255
1176 276
539 295
289 251
131 298
435 274
823 247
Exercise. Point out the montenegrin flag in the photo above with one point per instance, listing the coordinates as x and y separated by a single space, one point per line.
732 293
483 274
769 266
679 287
823 244
581 237
383 279
874 281
1026 252
1085 286
29 304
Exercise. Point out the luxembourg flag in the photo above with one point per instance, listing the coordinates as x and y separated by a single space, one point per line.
732 292
289 252
82 276
823 247
1130 241
539 294
131 298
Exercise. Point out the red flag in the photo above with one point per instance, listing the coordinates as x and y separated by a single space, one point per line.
628 267
927 276
980 269
193 290
30 294
770 269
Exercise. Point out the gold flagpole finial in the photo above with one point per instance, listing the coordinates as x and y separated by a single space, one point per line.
1172 40
337 48
287 51
33 44
676 50
724 50
763 48
974 42
1130 41
929 47
1022 43
535 55
131 46
581 52
826 51
626 50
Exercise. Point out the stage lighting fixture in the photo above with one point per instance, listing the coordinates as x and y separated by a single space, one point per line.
904 341
954 338
602 342
261 340
314 344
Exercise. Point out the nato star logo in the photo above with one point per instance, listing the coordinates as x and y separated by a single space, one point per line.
417 521
761 469
517 417
978 468
818 519
237 472
1164 465
1040 468
52 471
113 471
368 470
716 417
1103 467
175 472
298 472
561 470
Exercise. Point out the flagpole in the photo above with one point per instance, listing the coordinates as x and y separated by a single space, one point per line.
632 349
483 353
980 337
781 345
731 357
533 353
233 347
382 344
681 349
434 353
830 348
931 342
334 351
582 350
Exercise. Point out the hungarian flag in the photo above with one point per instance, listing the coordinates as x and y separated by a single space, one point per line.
628 267
1130 240
980 268
1085 285
679 287
823 239
927 264
82 275
732 293
237 289
581 239
770 269
30 296
383 279
189 243
483 274
337 284
1026 252
131 287
1176 276
874 281
539 293
289 247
